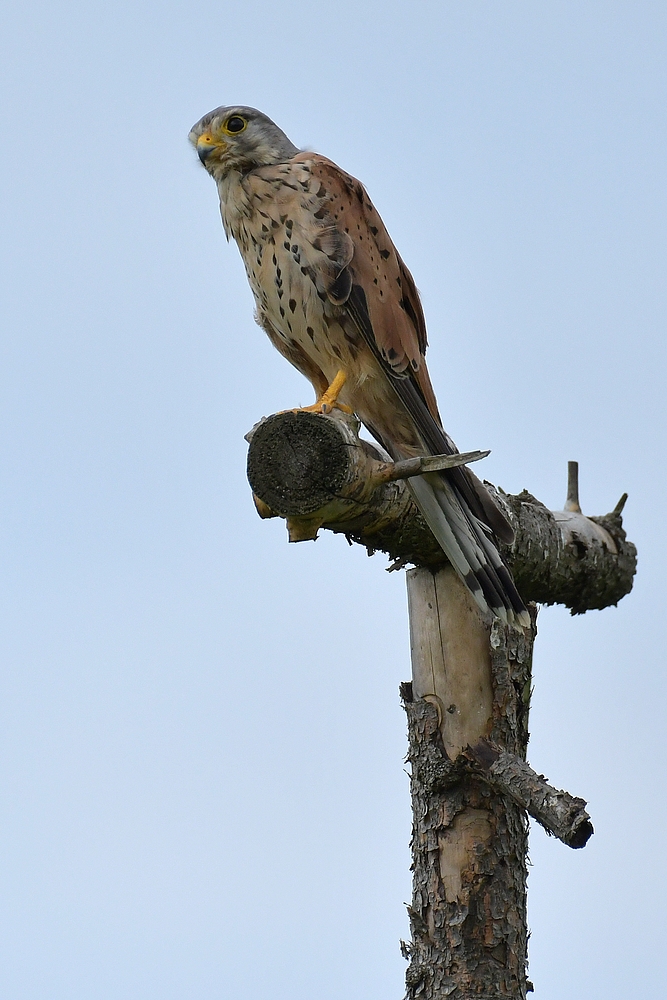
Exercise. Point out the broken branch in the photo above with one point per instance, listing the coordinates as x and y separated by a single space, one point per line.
315 471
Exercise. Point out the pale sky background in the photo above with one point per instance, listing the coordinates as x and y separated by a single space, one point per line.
201 743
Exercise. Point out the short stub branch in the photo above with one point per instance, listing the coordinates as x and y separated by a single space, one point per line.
561 814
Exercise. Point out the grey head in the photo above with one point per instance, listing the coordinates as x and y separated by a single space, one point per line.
239 138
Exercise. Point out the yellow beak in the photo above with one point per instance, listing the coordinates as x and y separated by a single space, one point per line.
206 144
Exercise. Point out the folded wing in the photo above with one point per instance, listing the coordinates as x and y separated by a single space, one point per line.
366 277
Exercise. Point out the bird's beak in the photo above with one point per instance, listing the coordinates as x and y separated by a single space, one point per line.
206 145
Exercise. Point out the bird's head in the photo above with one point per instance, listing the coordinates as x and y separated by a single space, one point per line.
238 138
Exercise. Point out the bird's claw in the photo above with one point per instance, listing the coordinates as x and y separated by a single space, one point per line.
324 405
328 401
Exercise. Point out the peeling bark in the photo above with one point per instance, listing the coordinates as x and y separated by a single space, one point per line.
471 679
468 909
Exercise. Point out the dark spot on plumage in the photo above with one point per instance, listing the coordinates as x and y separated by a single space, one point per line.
286 244
384 254
308 271
391 354
295 248
275 224
321 193
297 258
292 304
398 282
374 230
275 260
282 219
282 312
320 213
340 289
336 351
310 332
263 214
280 293
279 273
375 281
322 295
265 229
407 305
415 365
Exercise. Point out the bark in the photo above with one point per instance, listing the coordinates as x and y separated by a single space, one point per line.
471 681
467 704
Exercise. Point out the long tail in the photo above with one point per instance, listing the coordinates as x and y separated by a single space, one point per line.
459 512
467 544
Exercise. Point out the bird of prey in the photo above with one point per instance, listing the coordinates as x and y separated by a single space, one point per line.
335 298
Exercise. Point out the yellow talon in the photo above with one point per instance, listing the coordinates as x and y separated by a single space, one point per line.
329 399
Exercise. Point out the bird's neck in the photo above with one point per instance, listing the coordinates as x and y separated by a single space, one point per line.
234 201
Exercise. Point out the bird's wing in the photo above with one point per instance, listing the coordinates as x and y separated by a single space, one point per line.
392 301
362 272
372 282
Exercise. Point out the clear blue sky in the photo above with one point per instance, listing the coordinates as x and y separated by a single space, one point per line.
201 744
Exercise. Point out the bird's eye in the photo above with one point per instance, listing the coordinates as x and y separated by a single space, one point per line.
235 124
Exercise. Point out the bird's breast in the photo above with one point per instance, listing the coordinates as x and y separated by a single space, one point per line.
290 297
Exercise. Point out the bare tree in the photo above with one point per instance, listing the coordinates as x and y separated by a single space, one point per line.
467 704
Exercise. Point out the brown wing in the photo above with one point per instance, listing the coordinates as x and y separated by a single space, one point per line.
394 309
371 281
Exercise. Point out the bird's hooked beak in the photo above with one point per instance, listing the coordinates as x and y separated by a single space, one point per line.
206 145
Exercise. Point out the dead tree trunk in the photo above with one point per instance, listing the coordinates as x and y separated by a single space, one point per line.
467 704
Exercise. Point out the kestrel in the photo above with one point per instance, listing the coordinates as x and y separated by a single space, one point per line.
335 298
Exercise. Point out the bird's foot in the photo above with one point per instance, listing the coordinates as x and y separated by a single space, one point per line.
328 401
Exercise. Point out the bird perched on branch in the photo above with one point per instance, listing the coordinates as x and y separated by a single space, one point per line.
335 298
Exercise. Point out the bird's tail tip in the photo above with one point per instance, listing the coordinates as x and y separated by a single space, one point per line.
523 619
